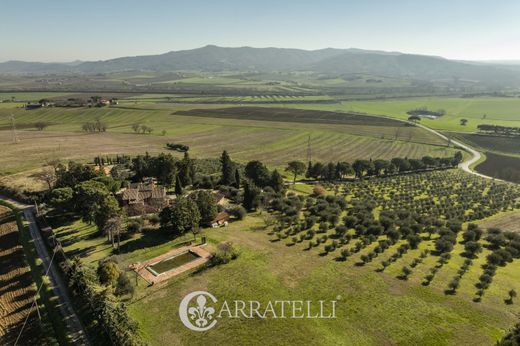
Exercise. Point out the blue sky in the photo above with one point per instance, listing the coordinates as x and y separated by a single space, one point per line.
65 30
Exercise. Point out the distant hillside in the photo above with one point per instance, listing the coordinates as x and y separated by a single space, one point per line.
326 61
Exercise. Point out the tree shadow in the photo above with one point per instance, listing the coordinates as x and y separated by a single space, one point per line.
149 238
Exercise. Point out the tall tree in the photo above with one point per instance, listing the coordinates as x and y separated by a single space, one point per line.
361 167
178 186
206 204
181 217
89 197
258 173
457 158
342 169
108 209
308 173
276 181
227 169
186 170
164 168
296 168
251 195
380 166
237 179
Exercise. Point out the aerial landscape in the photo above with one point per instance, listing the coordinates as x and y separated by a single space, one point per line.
185 174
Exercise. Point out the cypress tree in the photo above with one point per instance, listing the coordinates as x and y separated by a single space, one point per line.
251 195
276 181
237 179
308 174
178 186
227 169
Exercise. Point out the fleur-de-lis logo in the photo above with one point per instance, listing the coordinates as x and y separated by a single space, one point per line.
201 314
199 317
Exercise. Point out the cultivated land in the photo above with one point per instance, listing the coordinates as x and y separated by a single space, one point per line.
375 307
18 288
263 137
500 166
496 144
508 220
497 110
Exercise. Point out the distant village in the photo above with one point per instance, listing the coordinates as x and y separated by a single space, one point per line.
94 101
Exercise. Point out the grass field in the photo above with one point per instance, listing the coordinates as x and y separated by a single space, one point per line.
275 142
497 110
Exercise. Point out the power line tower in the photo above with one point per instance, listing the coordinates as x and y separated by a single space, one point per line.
309 149
13 130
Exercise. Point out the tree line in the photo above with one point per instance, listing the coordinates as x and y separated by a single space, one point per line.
497 129
368 168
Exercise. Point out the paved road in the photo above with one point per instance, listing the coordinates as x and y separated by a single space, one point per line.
465 165
75 328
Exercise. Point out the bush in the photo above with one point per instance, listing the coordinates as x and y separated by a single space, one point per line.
237 211
108 272
124 285
154 219
224 254
318 190
134 225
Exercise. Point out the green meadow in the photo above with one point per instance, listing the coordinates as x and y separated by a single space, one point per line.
477 110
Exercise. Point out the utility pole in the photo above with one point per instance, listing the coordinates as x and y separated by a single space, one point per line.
13 130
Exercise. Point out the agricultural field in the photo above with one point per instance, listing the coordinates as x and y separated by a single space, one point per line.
507 220
255 132
501 167
496 144
477 110
18 288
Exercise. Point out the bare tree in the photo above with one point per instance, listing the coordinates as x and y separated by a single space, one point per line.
47 175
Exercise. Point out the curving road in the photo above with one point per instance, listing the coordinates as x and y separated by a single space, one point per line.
465 165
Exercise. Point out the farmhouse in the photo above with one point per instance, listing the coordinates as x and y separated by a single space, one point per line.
142 198
221 219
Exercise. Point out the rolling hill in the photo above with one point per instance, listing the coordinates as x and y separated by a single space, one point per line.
328 61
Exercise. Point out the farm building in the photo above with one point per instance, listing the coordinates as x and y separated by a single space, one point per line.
142 198
221 219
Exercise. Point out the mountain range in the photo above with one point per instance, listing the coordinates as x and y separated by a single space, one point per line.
329 61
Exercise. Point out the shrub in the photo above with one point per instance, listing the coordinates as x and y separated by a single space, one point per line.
108 272
224 254
237 211
318 190
124 285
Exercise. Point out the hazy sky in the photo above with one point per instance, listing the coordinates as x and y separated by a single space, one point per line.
65 30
